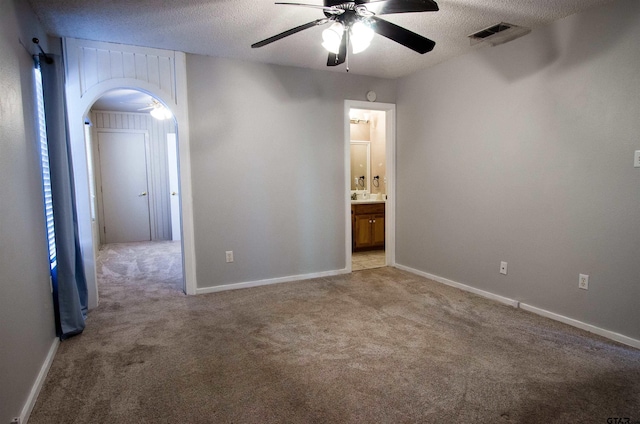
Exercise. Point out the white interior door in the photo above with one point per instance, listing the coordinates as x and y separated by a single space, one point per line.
172 158
125 193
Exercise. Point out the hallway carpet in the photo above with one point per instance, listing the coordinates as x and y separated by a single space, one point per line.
374 346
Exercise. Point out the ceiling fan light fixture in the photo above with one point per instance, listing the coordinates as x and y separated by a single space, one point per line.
361 36
332 37
160 112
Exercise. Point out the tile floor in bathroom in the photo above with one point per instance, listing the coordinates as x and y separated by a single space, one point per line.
367 260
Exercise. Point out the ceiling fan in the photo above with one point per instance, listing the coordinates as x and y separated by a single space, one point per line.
354 22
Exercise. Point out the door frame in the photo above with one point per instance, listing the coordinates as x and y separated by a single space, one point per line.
390 153
174 168
83 87
97 169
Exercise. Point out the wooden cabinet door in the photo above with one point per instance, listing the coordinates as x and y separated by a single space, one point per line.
363 230
377 230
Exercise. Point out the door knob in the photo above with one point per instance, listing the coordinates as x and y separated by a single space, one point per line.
173 193
144 193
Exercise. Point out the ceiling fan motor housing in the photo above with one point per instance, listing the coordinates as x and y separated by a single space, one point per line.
343 4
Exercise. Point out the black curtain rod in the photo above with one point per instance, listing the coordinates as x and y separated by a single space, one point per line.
46 58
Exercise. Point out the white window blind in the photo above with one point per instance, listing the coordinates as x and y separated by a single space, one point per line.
46 176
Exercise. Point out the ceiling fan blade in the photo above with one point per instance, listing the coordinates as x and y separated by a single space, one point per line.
382 7
329 9
338 59
410 39
290 32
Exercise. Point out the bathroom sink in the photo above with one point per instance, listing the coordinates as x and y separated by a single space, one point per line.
368 198
368 201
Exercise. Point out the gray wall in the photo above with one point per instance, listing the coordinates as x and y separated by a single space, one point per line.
159 178
26 311
524 153
267 152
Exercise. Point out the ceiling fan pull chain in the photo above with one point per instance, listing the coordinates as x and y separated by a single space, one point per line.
346 51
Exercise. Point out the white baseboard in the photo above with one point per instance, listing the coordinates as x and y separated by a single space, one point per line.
42 375
235 286
516 304
583 325
488 295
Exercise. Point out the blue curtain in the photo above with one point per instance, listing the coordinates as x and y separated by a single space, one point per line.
70 284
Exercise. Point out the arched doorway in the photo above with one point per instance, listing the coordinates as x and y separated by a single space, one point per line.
94 68
137 189
132 162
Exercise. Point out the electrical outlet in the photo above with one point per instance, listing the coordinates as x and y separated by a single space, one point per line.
636 159
229 254
583 282
503 268
16 420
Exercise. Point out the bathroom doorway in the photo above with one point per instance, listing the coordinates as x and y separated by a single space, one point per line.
369 151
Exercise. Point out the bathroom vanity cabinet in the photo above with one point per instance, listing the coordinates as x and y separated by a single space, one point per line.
367 226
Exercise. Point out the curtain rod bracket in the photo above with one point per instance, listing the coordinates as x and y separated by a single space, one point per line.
46 58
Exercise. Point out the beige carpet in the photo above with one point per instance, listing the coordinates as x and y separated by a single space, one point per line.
374 346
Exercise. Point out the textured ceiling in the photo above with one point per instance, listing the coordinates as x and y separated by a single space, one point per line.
227 28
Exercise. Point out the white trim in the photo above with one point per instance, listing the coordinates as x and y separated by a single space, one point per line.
184 175
529 308
347 177
488 295
37 385
583 325
390 204
269 281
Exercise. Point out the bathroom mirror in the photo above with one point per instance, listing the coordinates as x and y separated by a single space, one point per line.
360 160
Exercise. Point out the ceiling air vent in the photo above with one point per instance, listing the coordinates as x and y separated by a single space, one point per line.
498 34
